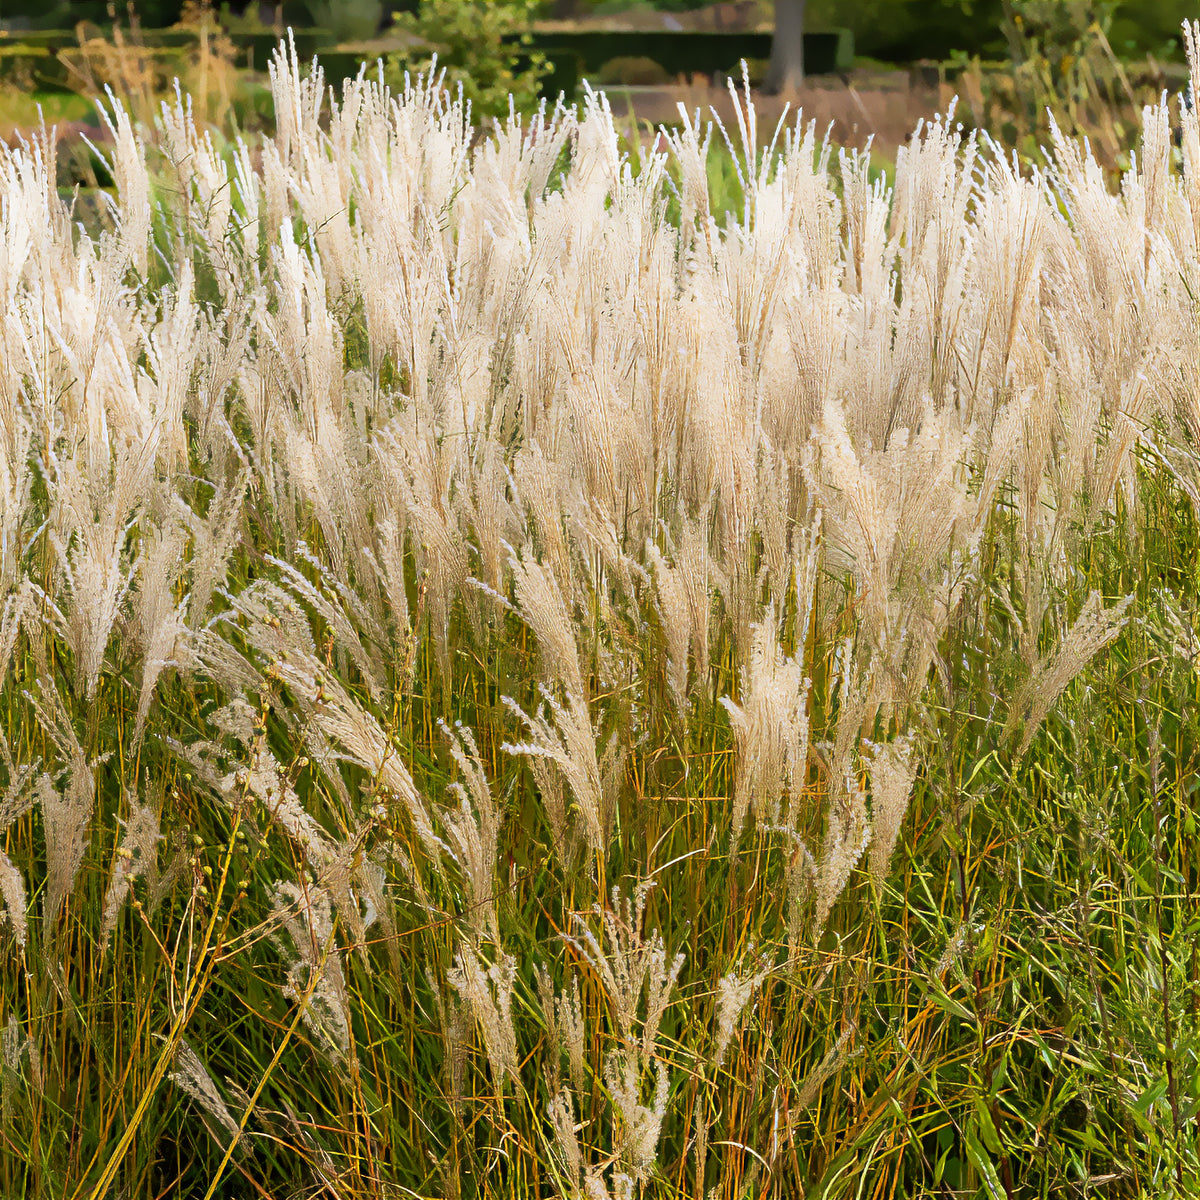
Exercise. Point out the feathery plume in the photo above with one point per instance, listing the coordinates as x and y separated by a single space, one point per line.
473 828
314 978
487 989
15 1045
570 743
893 769
734 991
638 1124
190 1075
770 729
566 1140
1094 628
629 967
136 855
564 1025
543 608
12 892
65 814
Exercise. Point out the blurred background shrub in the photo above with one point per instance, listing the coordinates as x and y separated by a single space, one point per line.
473 42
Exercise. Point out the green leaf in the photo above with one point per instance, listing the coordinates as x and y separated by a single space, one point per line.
983 1165
987 1127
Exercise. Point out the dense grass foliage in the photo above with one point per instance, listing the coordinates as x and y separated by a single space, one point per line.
513 685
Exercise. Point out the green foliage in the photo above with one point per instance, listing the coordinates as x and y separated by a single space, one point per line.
347 20
1150 27
1057 30
481 45
51 14
908 30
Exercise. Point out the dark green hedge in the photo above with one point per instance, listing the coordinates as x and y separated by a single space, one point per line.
58 14
891 30
909 30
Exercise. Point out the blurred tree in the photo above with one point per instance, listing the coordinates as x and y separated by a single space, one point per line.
347 20
909 30
785 73
153 14
49 14
1151 27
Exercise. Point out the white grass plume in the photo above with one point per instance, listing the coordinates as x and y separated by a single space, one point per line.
472 829
12 892
315 978
137 854
561 732
1093 629
487 989
190 1075
771 731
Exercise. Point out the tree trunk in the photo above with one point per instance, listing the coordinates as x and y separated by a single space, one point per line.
785 74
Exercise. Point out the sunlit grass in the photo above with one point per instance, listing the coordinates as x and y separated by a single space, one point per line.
374 773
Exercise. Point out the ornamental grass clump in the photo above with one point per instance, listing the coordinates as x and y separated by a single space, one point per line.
513 684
